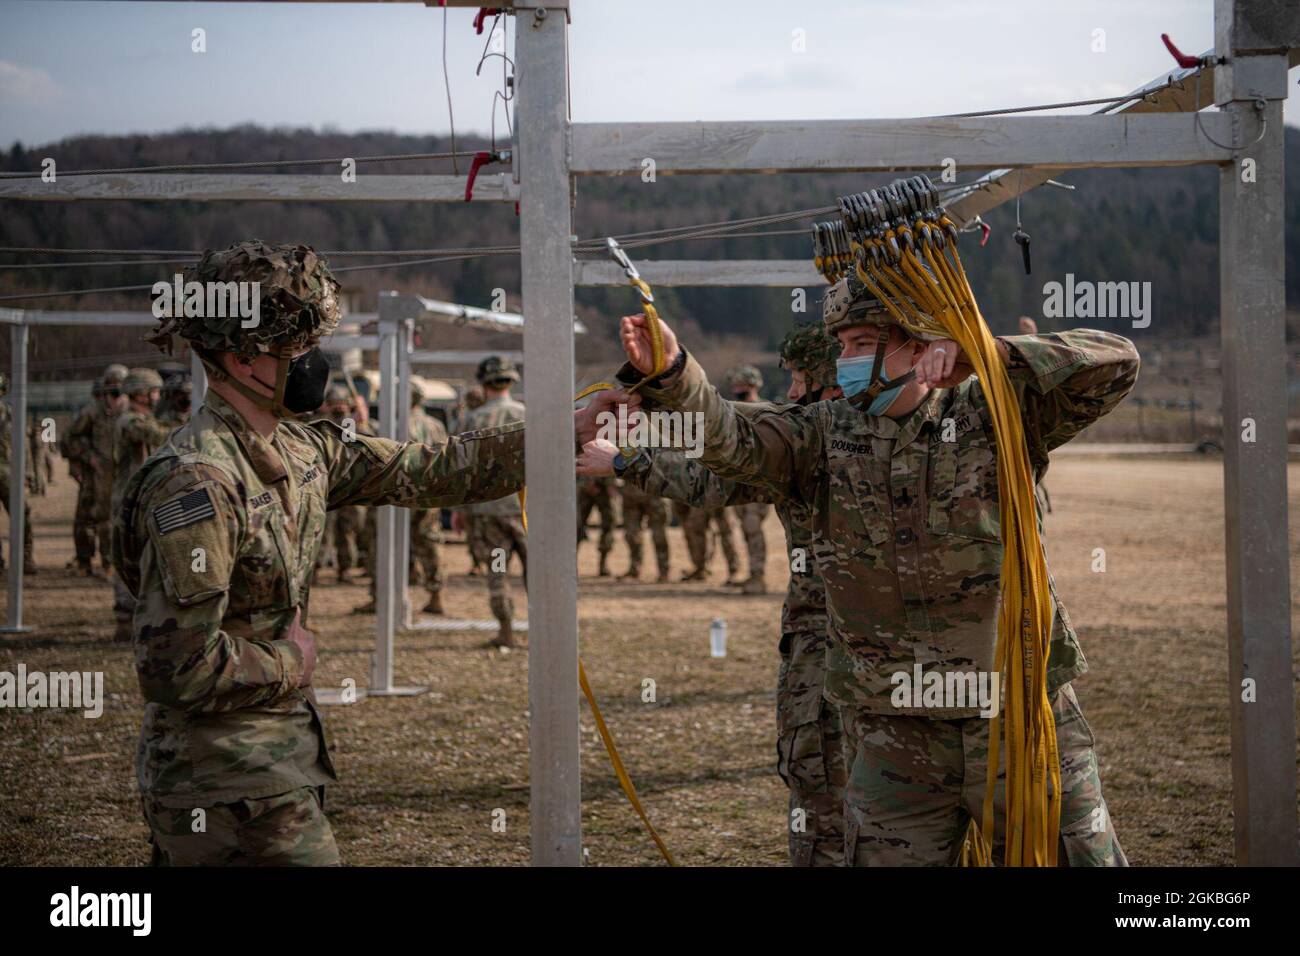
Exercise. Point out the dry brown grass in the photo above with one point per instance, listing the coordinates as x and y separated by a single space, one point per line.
421 776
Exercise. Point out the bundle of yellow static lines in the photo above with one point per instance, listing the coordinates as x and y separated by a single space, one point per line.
657 346
902 247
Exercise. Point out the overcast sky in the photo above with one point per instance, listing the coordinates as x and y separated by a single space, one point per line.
104 67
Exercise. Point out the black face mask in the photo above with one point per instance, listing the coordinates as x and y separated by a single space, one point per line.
304 386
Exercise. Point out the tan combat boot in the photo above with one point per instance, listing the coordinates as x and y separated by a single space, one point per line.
435 603
755 585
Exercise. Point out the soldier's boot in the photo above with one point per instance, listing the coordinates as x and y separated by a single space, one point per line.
633 573
699 574
123 633
29 566
435 603
663 576
604 564
755 585
367 608
506 635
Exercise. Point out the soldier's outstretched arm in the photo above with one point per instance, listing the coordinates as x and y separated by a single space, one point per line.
667 473
475 466
1068 380
481 465
781 453
184 658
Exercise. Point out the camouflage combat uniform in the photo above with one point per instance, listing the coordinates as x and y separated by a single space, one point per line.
75 448
598 494
695 524
809 744
498 524
426 525
641 508
907 540
750 518
6 449
39 453
137 435
227 726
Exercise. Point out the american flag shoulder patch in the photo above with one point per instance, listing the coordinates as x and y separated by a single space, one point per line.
186 510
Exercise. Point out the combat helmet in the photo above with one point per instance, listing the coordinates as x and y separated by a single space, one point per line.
744 376
297 302
113 374
848 304
811 349
496 370
140 381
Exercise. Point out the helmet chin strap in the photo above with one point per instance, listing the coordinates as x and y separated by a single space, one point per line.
877 384
272 403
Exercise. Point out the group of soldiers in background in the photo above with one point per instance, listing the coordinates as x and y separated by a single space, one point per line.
703 528
132 411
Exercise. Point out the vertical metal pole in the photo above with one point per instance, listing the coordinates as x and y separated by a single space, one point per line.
17 474
402 432
387 574
381 679
1252 310
545 225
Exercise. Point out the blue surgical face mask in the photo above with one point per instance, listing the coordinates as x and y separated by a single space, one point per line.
854 376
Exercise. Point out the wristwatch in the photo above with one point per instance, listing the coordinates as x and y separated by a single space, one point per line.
623 459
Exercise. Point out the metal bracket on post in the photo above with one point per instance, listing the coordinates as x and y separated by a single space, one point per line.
386 543
17 477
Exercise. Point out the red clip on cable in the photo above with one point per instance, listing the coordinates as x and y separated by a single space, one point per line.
483 14
984 234
481 159
1185 61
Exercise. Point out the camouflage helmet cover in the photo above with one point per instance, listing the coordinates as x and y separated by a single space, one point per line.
114 373
298 300
744 376
849 303
811 349
338 394
141 380
496 368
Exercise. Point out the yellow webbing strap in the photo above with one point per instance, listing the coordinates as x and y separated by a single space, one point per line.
624 781
939 299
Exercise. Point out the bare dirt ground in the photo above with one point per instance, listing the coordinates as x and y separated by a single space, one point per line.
422 776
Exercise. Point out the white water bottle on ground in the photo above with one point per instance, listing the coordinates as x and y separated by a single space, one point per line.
718 638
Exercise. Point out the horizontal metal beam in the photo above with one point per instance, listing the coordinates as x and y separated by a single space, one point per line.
239 187
786 273
418 307
892 145
35 317
461 357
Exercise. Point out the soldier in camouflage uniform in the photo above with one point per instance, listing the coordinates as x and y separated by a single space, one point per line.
426 524
809 733
695 523
498 529
177 395
343 526
745 381
461 520
38 450
88 447
6 449
217 538
598 494
907 540
640 507
136 436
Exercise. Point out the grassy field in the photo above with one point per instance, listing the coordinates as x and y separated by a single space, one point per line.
422 776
